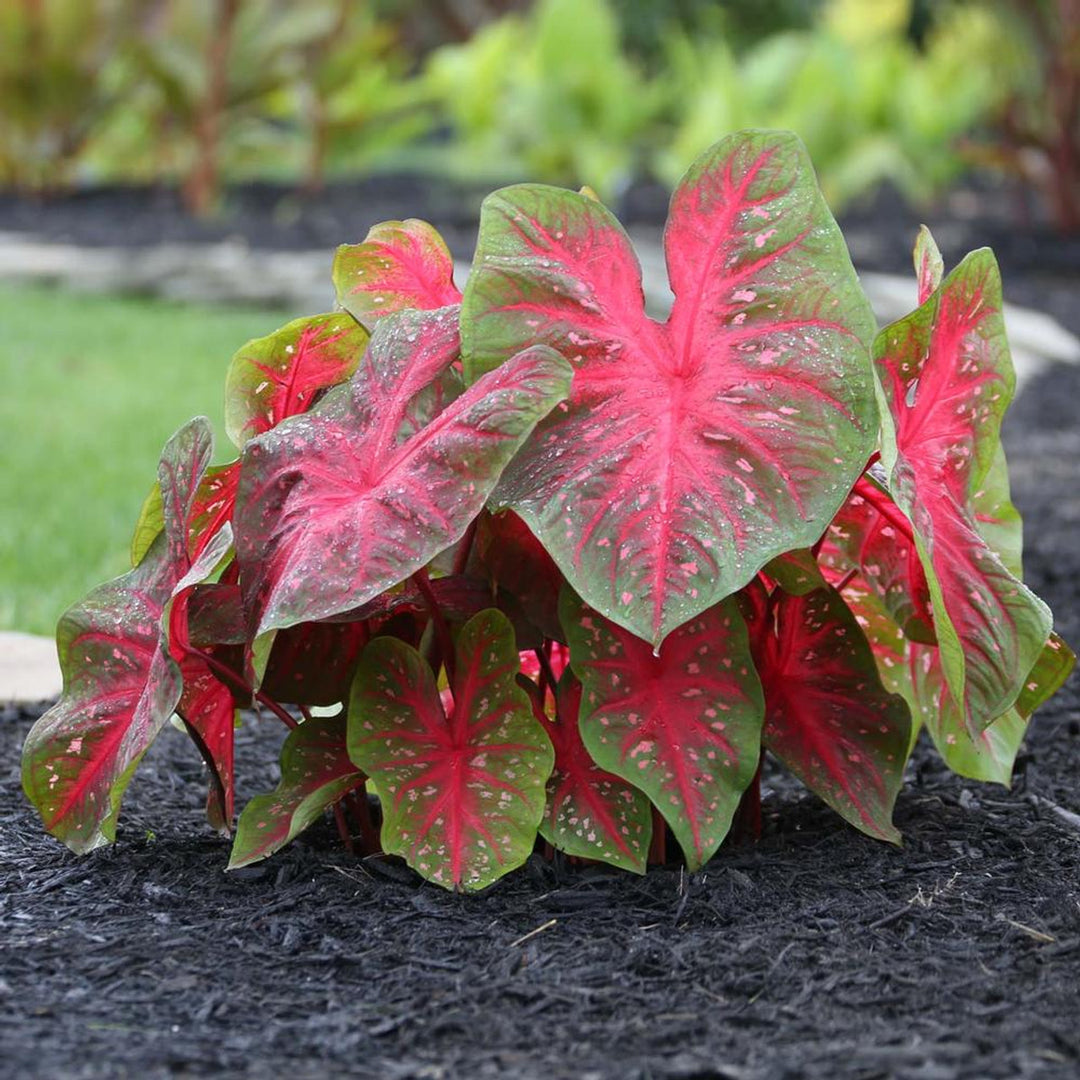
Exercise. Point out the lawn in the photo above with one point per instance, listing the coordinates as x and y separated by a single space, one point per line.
93 388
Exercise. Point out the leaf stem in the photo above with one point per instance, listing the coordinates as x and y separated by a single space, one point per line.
442 630
746 826
885 506
846 580
361 812
461 556
224 672
658 846
547 673
343 828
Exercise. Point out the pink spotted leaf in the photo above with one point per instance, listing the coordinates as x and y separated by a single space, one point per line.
208 711
400 265
281 375
929 266
683 725
462 789
827 716
213 507
913 670
946 379
316 772
690 452
869 534
313 663
206 705
120 684
795 571
987 755
342 503
516 564
590 812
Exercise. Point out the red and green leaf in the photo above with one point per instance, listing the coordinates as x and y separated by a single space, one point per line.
207 705
516 563
871 534
828 717
946 379
316 772
929 266
400 265
591 813
691 452
148 526
215 615
462 792
120 684
1054 665
313 663
914 671
987 755
283 373
795 571
340 504
208 710
683 725
212 510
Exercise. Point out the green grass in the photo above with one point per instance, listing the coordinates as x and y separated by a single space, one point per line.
92 388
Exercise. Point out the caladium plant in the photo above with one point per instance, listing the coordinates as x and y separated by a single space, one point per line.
521 568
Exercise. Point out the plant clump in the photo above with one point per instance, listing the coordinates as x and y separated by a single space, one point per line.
524 565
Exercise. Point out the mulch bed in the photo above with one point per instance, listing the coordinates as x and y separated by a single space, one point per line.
1042 267
815 953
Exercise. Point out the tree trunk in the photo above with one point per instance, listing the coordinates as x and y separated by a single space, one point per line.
201 187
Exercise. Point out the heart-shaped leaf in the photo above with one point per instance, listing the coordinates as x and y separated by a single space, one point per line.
827 716
1054 665
914 671
211 508
340 504
929 266
516 563
400 265
313 663
871 534
462 793
795 571
215 502
683 725
692 452
208 711
316 772
590 813
987 755
148 526
946 379
120 684
281 374
206 704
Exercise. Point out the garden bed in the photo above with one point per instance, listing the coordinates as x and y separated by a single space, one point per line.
1041 267
818 953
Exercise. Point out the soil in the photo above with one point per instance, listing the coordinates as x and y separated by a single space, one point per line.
816 953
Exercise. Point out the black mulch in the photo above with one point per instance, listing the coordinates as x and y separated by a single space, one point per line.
1041 266
817 953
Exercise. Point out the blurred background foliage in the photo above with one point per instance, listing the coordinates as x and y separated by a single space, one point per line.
199 93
